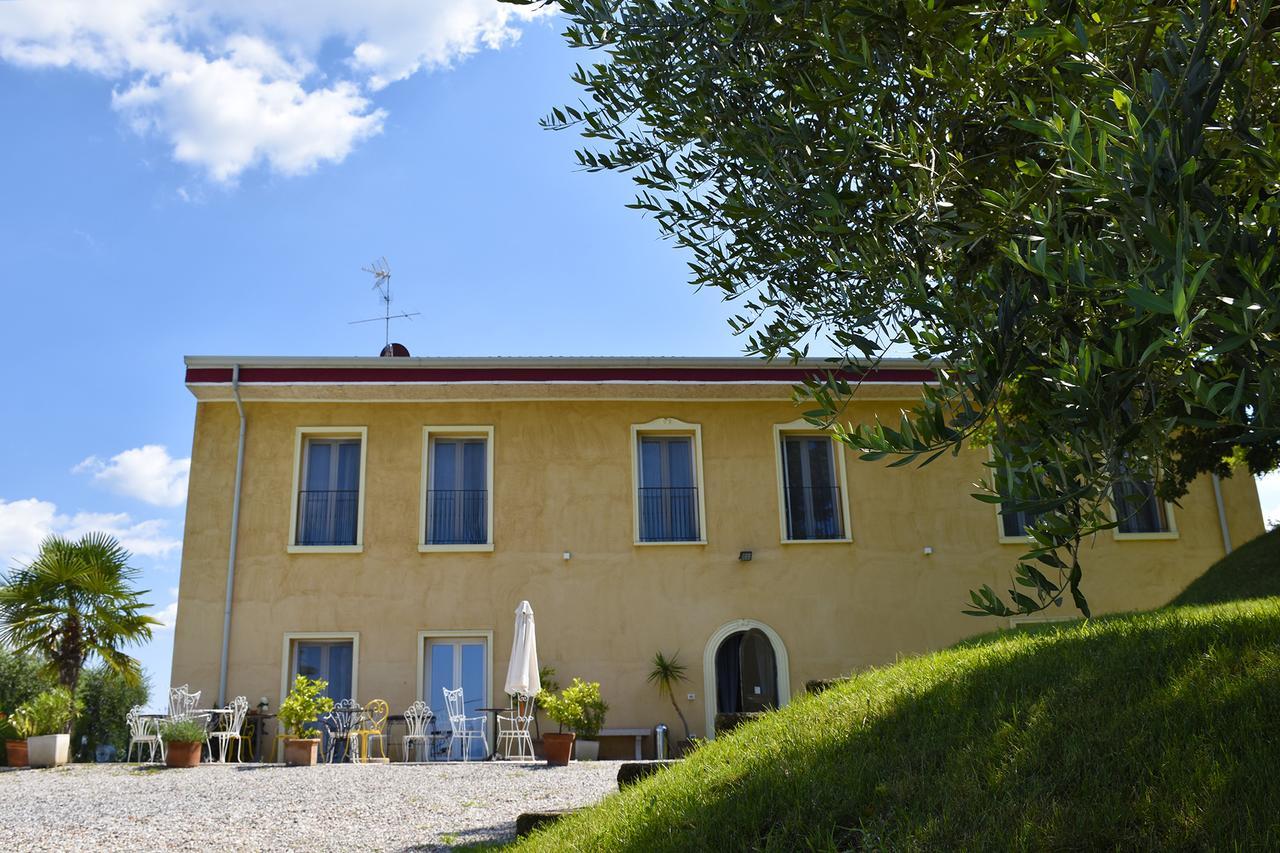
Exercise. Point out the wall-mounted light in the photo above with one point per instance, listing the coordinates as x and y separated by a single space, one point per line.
928 550
568 555
744 556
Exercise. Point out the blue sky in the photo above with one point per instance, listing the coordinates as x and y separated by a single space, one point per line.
184 179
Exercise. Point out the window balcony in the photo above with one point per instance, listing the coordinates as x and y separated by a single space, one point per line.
669 514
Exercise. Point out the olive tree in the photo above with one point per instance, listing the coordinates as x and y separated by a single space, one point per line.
1069 207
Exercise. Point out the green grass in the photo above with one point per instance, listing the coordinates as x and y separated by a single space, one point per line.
1250 571
1144 731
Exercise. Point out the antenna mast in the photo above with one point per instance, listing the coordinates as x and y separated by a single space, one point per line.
381 272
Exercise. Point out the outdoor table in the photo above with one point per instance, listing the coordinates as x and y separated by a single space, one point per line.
493 712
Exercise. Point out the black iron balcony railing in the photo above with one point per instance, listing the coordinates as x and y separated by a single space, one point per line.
457 516
328 517
813 512
669 514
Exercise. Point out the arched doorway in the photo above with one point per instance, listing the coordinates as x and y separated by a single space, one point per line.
745 669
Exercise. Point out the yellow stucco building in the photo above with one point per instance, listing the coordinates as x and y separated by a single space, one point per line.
393 512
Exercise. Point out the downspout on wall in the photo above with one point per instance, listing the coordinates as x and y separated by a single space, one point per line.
1222 513
235 529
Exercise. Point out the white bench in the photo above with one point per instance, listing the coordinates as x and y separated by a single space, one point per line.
638 734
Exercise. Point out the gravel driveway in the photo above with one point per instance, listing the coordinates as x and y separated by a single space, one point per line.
269 807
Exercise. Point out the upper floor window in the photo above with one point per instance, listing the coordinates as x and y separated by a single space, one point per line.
669 501
458 488
1139 511
812 488
812 492
1013 525
329 505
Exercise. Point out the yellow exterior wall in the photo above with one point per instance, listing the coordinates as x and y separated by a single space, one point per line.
563 482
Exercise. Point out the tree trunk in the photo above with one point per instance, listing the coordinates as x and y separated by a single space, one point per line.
685 722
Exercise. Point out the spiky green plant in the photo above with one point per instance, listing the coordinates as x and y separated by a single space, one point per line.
74 601
665 675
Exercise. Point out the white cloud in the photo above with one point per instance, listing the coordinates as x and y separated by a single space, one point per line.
1269 494
147 473
236 83
167 616
24 523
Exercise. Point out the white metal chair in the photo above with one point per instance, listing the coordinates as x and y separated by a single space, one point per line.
460 728
183 703
230 729
417 719
513 729
143 732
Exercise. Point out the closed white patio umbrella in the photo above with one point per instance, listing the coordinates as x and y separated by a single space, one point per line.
522 672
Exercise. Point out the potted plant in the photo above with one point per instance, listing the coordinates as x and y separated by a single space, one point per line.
14 732
300 708
665 675
580 709
46 719
183 740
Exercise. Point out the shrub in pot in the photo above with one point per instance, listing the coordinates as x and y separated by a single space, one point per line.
46 719
300 708
14 733
580 709
183 740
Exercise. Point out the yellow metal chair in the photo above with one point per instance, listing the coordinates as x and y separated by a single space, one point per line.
373 726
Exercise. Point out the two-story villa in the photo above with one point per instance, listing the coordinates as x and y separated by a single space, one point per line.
376 521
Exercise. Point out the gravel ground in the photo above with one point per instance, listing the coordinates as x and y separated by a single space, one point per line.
269 807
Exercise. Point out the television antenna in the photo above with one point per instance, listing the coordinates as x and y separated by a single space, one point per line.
381 272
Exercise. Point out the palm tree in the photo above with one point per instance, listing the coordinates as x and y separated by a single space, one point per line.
74 600
666 674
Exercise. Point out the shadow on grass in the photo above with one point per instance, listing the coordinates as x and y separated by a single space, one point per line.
1155 731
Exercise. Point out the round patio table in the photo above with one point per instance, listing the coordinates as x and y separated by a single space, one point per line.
493 714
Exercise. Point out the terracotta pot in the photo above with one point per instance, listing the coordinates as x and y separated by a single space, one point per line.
16 752
180 754
558 748
301 752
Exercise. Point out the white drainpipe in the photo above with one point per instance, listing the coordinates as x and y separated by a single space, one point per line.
1222 514
235 529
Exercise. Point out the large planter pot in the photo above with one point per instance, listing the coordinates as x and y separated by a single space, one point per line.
181 754
15 753
301 752
558 748
48 750
587 749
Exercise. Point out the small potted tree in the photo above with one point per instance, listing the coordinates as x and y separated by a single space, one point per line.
46 719
579 709
301 707
14 730
183 740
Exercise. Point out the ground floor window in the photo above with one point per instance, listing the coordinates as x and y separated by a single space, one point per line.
329 660
457 662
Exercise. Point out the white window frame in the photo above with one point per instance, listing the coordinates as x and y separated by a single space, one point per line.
672 427
300 436
292 637
473 431
459 634
1171 533
803 427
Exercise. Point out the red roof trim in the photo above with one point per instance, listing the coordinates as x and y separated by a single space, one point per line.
355 375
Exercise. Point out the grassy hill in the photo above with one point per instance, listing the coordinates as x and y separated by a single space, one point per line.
1147 731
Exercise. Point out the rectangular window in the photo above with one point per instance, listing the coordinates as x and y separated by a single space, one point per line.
457 493
1139 509
329 660
668 492
812 499
328 510
451 663
1013 525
